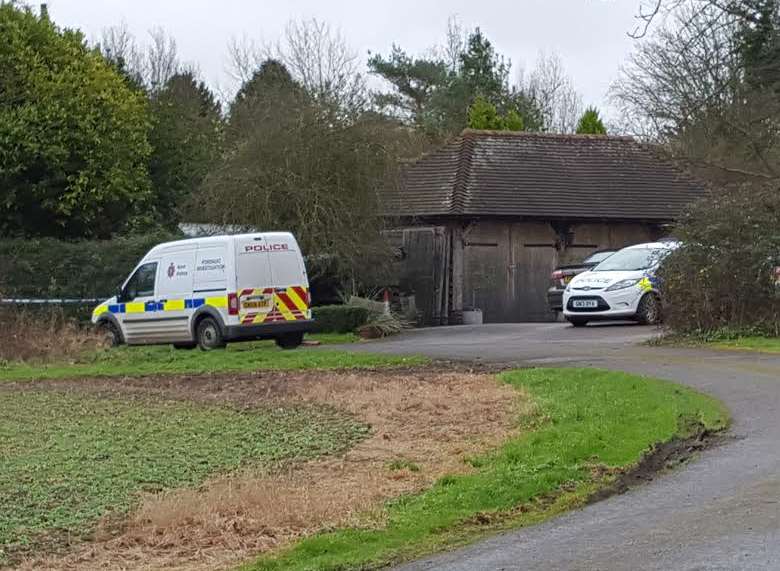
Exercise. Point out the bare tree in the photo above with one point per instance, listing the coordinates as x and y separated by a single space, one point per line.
244 57
317 56
455 43
162 59
648 11
119 46
151 65
651 10
553 91
687 68
688 83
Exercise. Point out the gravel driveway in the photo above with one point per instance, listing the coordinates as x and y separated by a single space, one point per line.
720 512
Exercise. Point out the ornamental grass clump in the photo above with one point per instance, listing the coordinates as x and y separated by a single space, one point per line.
43 336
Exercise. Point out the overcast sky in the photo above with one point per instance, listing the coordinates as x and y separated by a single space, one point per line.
589 35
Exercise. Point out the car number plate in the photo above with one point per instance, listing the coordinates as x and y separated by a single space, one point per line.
585 303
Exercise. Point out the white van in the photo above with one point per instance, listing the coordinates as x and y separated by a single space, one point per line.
208 291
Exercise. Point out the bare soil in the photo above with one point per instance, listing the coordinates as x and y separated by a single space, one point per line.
425 423
663 457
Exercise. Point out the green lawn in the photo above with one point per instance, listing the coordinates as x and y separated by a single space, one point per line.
238 357
586 417
66 459
764 344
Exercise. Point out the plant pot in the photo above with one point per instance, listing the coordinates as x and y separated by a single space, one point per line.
472 317
369 332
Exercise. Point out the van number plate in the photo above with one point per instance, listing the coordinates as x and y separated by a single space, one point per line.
256 303
585 303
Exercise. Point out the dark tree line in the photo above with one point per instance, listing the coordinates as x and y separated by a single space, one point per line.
116 137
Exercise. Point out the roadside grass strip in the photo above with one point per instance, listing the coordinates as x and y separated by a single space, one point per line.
589 424
67 459
761 344
239 357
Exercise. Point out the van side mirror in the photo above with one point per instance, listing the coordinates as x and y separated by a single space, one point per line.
120 294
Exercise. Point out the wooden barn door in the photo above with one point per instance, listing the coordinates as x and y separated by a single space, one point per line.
533 258
425 272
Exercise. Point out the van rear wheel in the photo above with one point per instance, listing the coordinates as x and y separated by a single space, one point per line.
209 335
290 340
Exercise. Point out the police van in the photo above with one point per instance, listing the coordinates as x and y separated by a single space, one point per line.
206 292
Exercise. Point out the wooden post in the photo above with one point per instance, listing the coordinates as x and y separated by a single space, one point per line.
456 311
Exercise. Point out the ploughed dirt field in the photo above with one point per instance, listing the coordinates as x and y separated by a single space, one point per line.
420 424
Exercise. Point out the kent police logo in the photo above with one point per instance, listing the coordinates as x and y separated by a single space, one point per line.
171 270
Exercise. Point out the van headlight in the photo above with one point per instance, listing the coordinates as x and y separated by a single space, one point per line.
623 284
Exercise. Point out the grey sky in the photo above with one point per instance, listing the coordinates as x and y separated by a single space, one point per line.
589 35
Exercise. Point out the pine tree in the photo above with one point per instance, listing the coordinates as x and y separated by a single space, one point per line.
484 116
590 123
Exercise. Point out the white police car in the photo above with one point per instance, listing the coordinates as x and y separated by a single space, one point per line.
623 286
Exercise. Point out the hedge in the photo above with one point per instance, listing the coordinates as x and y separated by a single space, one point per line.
339 318
50 268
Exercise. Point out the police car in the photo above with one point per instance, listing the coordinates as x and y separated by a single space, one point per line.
209 291
623 286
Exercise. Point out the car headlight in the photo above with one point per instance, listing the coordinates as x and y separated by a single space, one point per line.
623 284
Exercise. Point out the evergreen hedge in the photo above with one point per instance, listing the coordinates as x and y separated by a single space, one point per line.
50 268
339 318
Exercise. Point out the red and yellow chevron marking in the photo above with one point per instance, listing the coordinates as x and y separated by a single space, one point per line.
289 304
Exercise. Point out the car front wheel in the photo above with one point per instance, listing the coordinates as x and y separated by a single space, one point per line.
649 310
577 322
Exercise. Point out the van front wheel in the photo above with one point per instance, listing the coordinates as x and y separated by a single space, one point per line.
290 340
110 334
210 335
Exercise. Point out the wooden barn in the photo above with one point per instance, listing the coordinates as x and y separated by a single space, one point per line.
483 221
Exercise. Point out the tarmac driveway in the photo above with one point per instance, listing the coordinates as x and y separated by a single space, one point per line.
720 512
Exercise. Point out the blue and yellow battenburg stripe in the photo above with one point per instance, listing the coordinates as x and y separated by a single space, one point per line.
160 306
648 283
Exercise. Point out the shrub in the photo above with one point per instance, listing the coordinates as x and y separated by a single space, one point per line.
43 336
339 318
722 277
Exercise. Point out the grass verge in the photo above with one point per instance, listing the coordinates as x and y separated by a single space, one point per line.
589 423
70 459
239 357
762 344
750 340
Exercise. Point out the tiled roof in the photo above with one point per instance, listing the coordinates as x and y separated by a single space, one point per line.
487 173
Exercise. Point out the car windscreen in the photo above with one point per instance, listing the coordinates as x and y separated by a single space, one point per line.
632 259
598 257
